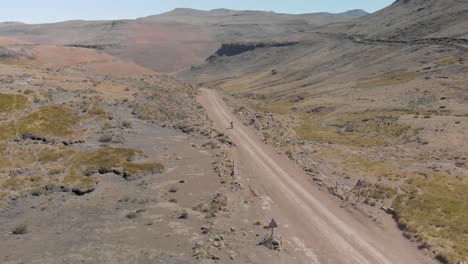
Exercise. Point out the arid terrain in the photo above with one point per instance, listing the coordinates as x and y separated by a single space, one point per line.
175 40
350 130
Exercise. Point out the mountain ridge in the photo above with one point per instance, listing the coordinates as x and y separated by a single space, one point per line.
174 40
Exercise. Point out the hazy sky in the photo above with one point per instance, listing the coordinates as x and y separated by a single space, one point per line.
41 11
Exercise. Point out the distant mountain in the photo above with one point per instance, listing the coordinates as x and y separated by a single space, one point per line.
10 23
355 12
174 40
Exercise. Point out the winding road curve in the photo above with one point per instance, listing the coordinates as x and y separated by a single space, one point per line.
325 232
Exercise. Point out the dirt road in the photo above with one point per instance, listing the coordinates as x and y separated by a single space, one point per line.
318 229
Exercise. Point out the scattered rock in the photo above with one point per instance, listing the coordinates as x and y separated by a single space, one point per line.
232 256
81 191
205 229
271 242
388 210
30 136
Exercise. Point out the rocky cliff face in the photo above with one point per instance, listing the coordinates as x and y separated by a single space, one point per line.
232 49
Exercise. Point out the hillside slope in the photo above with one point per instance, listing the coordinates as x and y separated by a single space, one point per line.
118 161
413 19
380 99
174 40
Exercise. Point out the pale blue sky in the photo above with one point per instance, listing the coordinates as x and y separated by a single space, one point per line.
41 11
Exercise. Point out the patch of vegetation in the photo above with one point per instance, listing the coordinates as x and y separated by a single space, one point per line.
146 112
56 171
5 163
6 79
373 124
449 61
28 92
434 211
7 130
136 168
372 55
389 78
49 155
313 129
115 158
107 126
20 229
242 84
20 158
3 195
377 191
126 124
97 111
105 157
14 184
74 180
366 166
281 108
132 215
10 102
56 120
233 88
365 129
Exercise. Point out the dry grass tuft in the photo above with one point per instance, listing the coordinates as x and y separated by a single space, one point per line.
20 229
115 158
281 108
10 102
56 120
366 166
49 155
74 180
449 61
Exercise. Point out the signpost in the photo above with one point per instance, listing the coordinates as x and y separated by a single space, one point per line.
272 226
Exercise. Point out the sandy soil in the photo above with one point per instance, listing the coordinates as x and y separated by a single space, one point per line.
12 41
64 228
57 57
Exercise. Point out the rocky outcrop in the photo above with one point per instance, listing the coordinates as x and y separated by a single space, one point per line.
233 49
92 46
